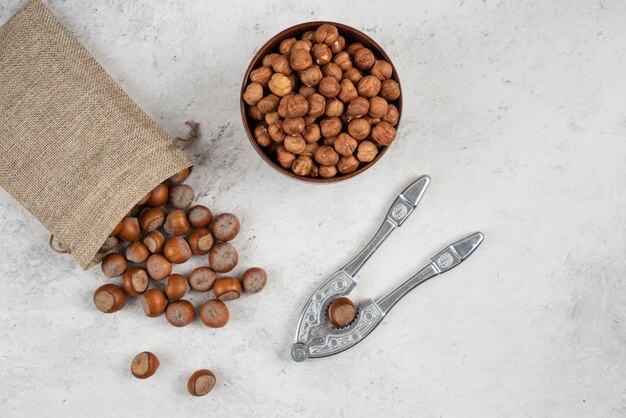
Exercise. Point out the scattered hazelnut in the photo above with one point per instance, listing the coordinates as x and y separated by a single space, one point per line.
302 165
321 53
137 252
300 59
177 250
261 75
180 313
293 106
390 90
358 107
151 219
334 108
367 151
109 244
327 34
359 128
227 288
383 133
329 87
279 84
153 303
332 70
345 145
317 105
369 86
135 281
364 58
201 382
330 126
295 144
347 165
114 265
341 312
158 267
225 227
109 298
285 45
176 223
293 126
144 365
392 115
268 104
181 196
199 216
327 171
130 229
200 241
159 195
347 92
254 280
176 286
154 241
253 93
382 70
281 64
223 257
202 279
378 107
311 76
214 313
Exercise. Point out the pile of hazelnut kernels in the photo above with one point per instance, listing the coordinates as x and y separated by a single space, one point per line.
323 107
166 232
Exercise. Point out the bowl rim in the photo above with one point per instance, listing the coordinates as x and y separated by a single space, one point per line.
269 45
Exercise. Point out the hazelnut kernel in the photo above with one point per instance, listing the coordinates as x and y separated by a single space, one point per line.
378 107
392 115
390 90
295 144
327 171
347 165
321 53
286 45
351 49
293 126
302 165
317 105
329 87
332 70
312 133
347 92
338 45
382 70
326 155
261 75
364 58
369 86
268 104
285 158
311 76
343 60
253 93
281 65
330 127
334 108
300 59
327 34
294 106
345 144
359 128
280 84
353 74
383 133
358 107
367 151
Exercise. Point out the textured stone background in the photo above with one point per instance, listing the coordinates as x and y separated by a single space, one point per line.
517 111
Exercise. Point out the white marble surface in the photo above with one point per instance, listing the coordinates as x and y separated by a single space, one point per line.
515 108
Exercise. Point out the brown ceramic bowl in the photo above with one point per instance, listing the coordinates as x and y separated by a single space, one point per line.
352 35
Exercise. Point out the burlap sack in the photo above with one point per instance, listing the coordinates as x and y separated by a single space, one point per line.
76 151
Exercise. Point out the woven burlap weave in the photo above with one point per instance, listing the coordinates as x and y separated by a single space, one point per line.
75 150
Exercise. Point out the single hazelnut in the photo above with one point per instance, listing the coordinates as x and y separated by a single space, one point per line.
338 46
151 219
309 120
158 267
199 216
181 196
176 223
153 303
382 70
255 113
330 126
334 108
137 252
369 86
144 199
293 106
312 133
114 265
176 286
135 281
352 48
179 177
300 59
302 165
159 195
345 145
310 149
329 87
261 75
118 227
392 115
144 365
214 313
359 128
294 80
281 64
268 104
276 131
372 121
306 91
326 155
223 257
341 311
308 35
180 313
201 279
177 250
347 165
285 45
253 93
328 171
201 382
294 144
364 58
378 107
367 151
109 298
311 76
227 288
317 105
302 44
327 34
321 54
390 90
293 126
358 107
343 60
347 92
353 74
254 280
109 244
130 229
261 136
285 158
332 70
330 140
200 241
383 133
268 60
280 85
154 241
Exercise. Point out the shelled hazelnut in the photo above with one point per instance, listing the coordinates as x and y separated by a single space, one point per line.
312 90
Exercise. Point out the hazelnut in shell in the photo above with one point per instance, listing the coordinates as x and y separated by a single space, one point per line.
201 382
214 313
366 151
180 177
151 219
153 303
158 267
130 229
177 250
137 252
159 195
154 241
114 265
180 313
109 244
341 312
176 223
225 226
199 216
176 286
202 279
200 241
223 257
109 298
181 196
144 365
254 280
135 281
227 288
